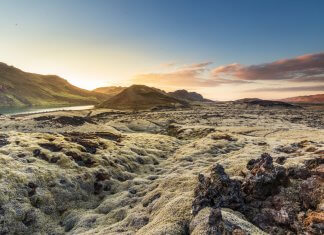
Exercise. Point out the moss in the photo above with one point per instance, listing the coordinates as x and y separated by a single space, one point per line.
148 165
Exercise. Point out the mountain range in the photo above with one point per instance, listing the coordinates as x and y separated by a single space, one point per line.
314 99
19 88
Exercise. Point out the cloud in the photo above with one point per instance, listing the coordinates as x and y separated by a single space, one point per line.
310 79
199 66
184 76
287 89
194 75
168 65
305 68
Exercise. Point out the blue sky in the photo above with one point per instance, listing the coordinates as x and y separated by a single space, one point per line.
107 42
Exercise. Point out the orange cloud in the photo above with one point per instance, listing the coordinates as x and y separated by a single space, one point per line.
305 68
185 76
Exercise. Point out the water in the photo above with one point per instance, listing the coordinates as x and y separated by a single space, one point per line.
27 110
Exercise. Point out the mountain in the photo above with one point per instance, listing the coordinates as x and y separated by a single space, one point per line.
19 88
139 97
110 90
263 103
185 95
314 99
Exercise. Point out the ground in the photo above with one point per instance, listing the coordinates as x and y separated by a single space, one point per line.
112 172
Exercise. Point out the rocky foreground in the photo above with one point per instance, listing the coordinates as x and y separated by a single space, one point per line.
208 169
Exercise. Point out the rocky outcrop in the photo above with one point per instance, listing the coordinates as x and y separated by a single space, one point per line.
264 179
267 196
216 191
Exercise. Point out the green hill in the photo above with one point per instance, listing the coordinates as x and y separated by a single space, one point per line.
19 88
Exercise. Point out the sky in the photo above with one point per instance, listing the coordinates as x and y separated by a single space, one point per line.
223 49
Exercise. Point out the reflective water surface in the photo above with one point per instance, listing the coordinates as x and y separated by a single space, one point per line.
26 110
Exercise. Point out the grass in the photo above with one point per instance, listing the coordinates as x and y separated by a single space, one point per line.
18 88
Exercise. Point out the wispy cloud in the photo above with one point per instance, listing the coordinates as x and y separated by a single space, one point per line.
200 66
287 89
168 65
305 68
184 76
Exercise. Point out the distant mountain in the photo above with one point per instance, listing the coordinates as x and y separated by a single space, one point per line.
313 99
185 95
262 103
110 90
139 97
19 88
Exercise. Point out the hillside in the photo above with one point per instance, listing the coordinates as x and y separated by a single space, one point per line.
19 88
186 95
110 90
139 97
315 99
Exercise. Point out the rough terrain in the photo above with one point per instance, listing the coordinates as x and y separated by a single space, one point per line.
207 169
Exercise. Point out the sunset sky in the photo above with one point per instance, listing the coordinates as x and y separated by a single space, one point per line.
223 49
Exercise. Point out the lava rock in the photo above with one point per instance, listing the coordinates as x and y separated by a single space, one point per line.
271 197
52 147
311 192
81 160
73 120
44 118
281 160
216 191
264 178
3 140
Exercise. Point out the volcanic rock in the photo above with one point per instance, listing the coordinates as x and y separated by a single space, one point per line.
267 196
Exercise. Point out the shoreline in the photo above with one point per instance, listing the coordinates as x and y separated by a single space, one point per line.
45 110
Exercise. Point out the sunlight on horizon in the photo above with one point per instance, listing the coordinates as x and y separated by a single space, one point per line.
115 44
